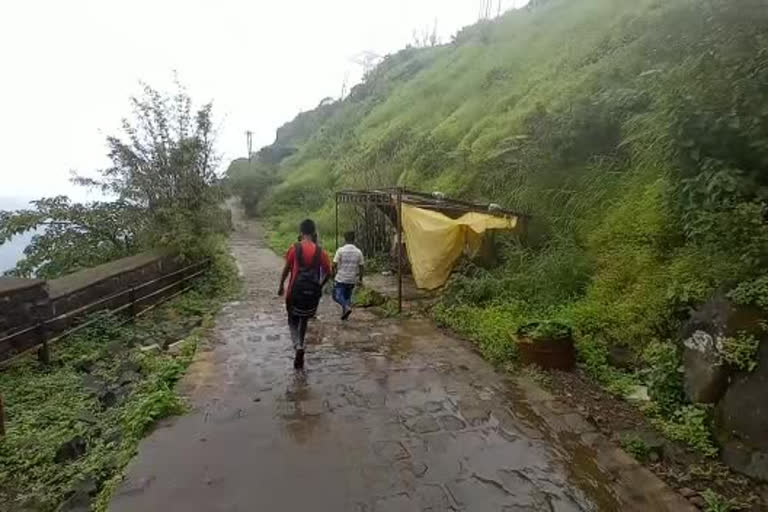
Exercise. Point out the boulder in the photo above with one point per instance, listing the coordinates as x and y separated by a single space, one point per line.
621 356
114 395
80 499
176 349
128 377
741 420
744 459
152 349
705 377
72 449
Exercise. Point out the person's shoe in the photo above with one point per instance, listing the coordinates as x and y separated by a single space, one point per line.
346 313
298 361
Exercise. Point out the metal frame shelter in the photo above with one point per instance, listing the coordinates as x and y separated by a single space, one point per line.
390 201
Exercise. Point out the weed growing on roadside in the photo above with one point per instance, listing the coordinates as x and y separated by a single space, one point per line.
716 502
740 351
662 375
690 424
637 447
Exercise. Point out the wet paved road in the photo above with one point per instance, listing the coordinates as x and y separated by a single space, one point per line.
389 416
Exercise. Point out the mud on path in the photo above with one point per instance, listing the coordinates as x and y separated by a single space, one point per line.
390 415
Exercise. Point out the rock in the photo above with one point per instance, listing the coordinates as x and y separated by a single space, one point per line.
621 356
108 399
129 365
80 499
84 365
175 349
686 492
745 459
698 501
637 394
113 396
744 408
128 377
72 449
705 376
741 420
94 385
150 349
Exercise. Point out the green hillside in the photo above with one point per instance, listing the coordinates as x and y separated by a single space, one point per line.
635 133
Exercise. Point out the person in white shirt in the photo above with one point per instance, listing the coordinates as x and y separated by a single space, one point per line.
348 271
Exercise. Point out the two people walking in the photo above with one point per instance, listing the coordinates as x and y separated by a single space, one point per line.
309 269
348 265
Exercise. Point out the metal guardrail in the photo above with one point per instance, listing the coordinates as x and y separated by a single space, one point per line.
47 332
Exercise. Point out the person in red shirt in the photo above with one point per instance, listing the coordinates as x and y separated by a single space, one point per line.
309 269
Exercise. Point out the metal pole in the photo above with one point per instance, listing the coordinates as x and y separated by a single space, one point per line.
399 250
43 354
132 302
337 220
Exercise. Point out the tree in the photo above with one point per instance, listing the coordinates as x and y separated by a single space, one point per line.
165 187
166 163
72 235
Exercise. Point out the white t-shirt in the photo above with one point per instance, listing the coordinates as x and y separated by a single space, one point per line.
348 259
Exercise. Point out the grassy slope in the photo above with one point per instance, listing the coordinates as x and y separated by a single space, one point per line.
634 132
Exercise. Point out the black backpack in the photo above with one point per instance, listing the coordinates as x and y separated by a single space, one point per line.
306 290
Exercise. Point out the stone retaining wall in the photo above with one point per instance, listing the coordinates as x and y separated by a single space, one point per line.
27 302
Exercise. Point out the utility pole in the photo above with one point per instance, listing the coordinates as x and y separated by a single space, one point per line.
344 85
485 9
249 142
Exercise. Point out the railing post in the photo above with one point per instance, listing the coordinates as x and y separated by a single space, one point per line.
43 353
337 220
132 302
399 250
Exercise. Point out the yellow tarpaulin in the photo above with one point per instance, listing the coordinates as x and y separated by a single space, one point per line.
435 241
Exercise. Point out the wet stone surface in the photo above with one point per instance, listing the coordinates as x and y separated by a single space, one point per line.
407 420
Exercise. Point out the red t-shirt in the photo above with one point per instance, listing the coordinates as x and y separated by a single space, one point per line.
308 255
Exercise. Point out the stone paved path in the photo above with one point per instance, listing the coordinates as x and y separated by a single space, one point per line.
390 415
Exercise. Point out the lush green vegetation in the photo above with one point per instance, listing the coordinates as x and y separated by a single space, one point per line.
73 425
163 189
635 133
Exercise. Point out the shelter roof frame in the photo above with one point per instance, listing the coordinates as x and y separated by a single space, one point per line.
391 199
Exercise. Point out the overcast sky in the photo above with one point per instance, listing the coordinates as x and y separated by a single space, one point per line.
68 68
